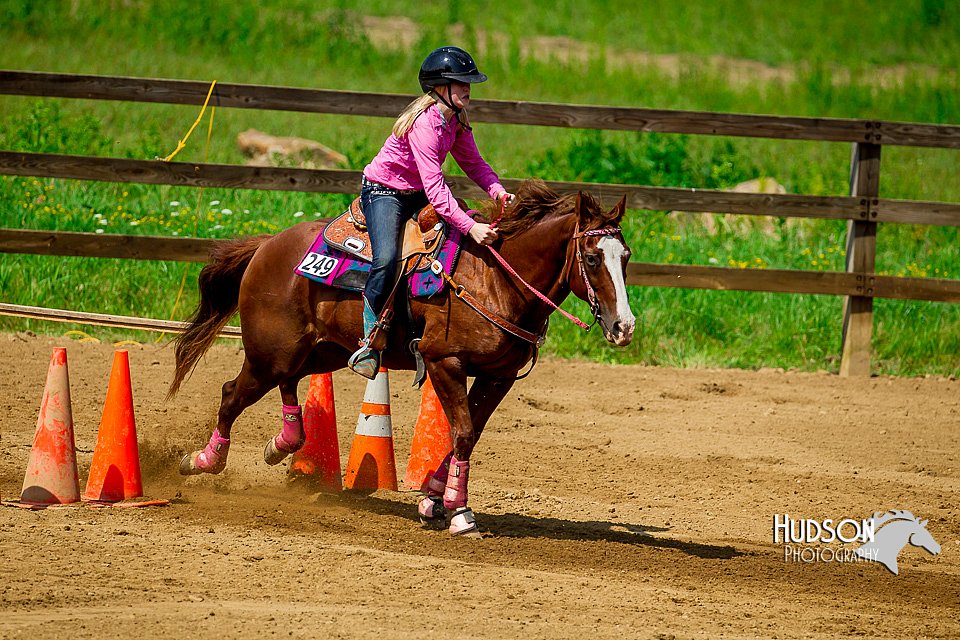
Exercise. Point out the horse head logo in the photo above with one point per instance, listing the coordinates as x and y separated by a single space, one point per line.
899 528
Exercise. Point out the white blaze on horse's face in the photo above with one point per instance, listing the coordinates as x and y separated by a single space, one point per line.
621 328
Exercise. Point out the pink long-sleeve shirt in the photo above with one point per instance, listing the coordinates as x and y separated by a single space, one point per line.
415 161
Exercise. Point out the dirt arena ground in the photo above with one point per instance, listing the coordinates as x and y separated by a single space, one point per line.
616 502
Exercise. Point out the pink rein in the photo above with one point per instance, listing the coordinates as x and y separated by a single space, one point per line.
569 316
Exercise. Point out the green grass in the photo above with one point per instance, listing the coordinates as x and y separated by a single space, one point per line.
307 44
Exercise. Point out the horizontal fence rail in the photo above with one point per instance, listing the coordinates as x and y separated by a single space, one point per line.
231 176
246 96
73 244
104 319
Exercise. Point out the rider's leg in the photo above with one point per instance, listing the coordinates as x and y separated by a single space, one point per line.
385 211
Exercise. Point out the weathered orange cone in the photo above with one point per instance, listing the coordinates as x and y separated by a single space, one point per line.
51 476
432 439
371 464
319 459
115 471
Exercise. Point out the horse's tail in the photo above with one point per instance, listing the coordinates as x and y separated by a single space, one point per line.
219 294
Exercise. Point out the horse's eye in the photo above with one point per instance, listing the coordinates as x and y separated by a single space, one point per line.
592 259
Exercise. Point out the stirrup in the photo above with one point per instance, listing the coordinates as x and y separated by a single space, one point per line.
365 361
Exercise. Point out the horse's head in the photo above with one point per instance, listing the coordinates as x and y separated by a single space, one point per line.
922 538
598 274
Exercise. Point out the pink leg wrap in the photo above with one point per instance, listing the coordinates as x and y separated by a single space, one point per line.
432 513
437 483
292 436
213 458
455 495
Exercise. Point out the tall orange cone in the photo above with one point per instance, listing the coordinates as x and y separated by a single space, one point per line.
51 476
371 464
115 471
432 439
319 459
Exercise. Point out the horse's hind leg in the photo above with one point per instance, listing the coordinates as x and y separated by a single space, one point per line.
291 436
323 358
238 394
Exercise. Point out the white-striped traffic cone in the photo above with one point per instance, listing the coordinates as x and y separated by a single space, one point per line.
372 464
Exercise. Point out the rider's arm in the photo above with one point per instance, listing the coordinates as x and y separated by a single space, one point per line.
467 155
424 140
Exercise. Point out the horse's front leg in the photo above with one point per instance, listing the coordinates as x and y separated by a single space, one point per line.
468 414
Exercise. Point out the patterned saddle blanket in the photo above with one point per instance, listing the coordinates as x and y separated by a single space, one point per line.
340 256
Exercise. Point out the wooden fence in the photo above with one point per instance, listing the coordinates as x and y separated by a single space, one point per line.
863 208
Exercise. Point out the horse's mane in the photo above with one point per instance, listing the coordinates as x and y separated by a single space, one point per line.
535 201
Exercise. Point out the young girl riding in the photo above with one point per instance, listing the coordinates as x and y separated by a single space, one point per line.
407 174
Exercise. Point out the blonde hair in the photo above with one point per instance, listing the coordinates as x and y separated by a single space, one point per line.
412 112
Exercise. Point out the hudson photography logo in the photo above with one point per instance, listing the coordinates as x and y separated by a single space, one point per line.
879 538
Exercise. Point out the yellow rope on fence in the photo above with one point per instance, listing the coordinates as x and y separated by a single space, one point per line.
182 143
196 220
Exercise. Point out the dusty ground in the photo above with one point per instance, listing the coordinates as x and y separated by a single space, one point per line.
619 502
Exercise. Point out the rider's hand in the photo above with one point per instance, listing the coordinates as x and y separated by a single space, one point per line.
483 233
506 198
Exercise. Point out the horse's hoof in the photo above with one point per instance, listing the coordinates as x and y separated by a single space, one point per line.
463 524
432 513
188 466
271 454
193 464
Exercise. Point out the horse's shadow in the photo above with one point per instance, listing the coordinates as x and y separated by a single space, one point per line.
516 525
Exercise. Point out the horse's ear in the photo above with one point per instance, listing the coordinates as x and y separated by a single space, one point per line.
616 214
581 202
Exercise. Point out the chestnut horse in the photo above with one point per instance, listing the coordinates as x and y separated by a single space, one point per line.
293 327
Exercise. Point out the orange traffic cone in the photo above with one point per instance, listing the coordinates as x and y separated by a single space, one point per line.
51 476
115 471
371 464
431 439
319 459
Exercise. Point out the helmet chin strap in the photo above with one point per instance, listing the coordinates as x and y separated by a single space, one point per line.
456 110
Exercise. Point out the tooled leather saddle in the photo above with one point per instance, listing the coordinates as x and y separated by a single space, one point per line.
422 235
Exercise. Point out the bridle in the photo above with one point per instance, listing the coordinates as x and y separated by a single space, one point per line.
591 293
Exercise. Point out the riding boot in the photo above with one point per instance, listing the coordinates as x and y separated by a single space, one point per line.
366 359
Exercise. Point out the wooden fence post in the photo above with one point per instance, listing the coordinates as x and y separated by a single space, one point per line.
861 259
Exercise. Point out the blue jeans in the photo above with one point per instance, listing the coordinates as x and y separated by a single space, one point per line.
386 210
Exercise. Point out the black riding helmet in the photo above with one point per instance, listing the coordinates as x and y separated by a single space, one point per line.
446 65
